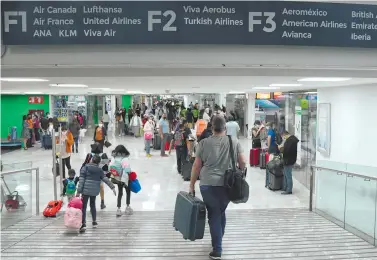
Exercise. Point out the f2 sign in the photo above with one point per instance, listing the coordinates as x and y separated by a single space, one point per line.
36 100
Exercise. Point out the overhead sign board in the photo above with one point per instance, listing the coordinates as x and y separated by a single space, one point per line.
191 22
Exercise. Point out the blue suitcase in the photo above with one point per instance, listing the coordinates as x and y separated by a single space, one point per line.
189 216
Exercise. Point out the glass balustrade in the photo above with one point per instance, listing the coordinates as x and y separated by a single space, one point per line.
346 198
17 197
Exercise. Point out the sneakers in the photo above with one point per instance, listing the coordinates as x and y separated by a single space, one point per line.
103 205
149 155
164 155
119 212
286 193
129 210
215 255
82 228
95 224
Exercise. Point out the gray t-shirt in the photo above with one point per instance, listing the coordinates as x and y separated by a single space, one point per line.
215 155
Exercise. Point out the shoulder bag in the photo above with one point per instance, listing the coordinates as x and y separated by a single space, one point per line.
234 180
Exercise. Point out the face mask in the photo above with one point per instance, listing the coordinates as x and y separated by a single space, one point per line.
100 125
164 117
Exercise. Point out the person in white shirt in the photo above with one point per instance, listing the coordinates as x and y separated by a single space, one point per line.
106 120
135 124
206 116
232 127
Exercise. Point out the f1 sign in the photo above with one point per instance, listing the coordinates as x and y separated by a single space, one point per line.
36 100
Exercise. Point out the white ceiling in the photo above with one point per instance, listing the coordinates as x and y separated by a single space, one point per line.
182 84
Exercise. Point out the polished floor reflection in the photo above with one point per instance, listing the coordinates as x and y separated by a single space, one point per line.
158 177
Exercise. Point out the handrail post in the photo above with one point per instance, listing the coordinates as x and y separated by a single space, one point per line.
37 191
311 189
54 163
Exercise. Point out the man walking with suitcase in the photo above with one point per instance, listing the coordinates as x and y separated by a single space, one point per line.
289 149
211 162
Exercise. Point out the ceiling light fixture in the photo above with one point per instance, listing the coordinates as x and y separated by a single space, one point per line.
100 88
68 85
9 92
266 88
323 79
285 85
134 92
23 79
33 92
236 92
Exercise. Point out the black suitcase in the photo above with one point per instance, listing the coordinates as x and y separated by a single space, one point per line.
186 170
157 142
262 160
189 216
47 142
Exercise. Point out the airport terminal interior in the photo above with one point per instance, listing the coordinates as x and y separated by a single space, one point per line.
116 91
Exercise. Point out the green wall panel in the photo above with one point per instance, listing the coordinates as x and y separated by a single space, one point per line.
13 107
126 101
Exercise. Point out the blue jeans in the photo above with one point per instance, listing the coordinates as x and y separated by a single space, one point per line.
148 146
76 142
216 200
288 181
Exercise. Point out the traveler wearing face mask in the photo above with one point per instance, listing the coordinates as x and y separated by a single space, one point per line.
100 134
148 135
66 150
164 133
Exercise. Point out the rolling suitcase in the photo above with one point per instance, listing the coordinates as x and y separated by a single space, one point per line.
263 160
275 180
254 156
157 142
189 216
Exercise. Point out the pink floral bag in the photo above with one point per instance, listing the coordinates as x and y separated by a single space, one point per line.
148 136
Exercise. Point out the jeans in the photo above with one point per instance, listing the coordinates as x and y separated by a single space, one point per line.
288 181
216 200
148 146
122 185
181 152
164 139
106 125
93 210
76 142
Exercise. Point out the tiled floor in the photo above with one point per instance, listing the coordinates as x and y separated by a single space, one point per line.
282 234
158 177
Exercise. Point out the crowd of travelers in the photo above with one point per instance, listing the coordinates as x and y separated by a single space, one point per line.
204 136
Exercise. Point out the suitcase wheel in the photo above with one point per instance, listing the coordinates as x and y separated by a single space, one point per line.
176 229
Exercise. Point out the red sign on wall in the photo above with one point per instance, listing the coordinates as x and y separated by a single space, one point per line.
36 100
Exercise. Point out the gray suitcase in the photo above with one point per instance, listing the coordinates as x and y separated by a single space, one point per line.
275 181
189 216
157 142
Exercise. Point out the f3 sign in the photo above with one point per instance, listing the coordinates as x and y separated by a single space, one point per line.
269 16
12 17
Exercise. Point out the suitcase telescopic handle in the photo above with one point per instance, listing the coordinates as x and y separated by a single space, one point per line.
192 193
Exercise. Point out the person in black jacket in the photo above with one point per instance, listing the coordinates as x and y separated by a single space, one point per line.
289 148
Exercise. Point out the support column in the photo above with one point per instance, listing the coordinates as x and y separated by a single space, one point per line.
250 112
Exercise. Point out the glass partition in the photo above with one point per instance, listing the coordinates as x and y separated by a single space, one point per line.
347 199
16 197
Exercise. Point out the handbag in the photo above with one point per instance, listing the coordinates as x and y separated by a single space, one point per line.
135 186
148 136
234 180
107 144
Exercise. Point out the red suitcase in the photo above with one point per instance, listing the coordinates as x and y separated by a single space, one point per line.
254 156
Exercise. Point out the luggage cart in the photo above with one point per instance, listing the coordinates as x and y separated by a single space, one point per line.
11 200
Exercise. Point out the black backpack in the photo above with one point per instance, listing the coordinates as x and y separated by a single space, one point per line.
44 123
278 138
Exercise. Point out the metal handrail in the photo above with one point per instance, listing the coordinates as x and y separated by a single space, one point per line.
36 169
349 174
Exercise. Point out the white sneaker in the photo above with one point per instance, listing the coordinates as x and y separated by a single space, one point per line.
119 212
129 211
